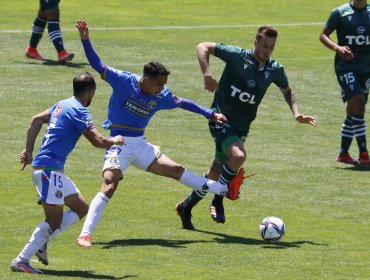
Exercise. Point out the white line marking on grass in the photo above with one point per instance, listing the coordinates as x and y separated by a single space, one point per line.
180 27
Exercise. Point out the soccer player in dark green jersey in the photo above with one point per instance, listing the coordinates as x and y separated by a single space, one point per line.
48 14
352 67
246 76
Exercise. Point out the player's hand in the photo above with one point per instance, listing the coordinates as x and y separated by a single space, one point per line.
344 53
83 28
118 140
210 83
26 158
218 118
306 119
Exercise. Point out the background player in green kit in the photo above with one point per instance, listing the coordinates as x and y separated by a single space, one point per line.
48 14
352 67
246 76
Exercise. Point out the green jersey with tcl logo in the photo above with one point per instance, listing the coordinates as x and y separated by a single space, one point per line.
353 30
243 85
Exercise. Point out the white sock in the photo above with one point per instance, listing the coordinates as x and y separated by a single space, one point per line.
38 238
95 211
197 182
69 218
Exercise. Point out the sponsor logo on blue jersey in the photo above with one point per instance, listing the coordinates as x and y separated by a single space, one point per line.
137 108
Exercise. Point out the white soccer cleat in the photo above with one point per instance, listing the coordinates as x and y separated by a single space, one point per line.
18 266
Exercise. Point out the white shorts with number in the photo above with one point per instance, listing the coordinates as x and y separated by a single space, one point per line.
53 186
136 151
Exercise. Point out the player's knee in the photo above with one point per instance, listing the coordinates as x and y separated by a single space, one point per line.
239 158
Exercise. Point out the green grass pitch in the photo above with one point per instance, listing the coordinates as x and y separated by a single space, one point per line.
325 205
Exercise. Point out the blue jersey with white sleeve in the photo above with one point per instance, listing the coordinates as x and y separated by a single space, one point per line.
68 120
130 110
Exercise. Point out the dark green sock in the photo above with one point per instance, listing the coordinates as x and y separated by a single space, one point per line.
347 135
38 28
195 196
55 34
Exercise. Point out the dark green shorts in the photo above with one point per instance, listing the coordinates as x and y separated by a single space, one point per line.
49 4
224 135
353 83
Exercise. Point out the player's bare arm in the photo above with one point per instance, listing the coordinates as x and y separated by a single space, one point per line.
291 100
343 52
99 141
203 51
33 130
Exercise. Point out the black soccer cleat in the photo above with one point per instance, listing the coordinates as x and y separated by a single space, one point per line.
217 212
185 215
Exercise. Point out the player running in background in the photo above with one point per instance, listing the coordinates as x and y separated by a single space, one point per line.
67 121
134 101
351 22
49 14
244 81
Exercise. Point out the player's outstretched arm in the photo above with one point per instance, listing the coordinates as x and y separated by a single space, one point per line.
99 141
90 53
32 132
291 100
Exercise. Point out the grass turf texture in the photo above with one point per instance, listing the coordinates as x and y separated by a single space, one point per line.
324 204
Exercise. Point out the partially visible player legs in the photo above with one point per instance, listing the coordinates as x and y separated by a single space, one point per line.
78 209
359 130
354 126
346 140
39 237
55 34
38 28
97 205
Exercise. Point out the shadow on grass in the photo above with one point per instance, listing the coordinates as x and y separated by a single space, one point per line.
220 238
230 239
83 274
49 62
359 167
148 242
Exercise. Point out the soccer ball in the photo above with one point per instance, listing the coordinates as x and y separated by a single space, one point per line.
272 229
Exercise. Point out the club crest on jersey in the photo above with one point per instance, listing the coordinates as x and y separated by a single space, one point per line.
251 83
367 84
267 74
361 30
176 99
57 110
58 194
152 104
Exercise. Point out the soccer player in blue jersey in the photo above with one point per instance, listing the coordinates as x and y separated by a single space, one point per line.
351 21
48 14
247 75
134 101
67 120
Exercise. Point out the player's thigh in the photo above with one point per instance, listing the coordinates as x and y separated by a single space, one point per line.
53 215
145 155
118 158
53 186
164 166
49 5
77 203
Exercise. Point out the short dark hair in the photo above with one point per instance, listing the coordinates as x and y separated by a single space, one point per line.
267 31
82 83
155 68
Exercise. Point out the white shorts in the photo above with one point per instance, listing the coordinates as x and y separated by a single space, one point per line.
136 151
53 186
